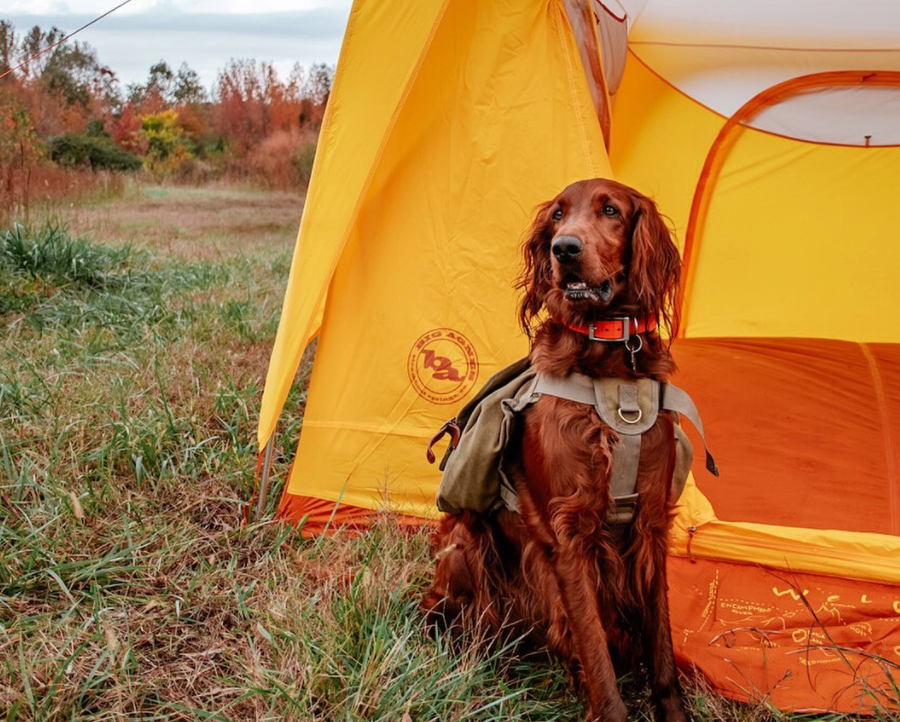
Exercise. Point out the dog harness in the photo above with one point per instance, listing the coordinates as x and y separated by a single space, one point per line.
475 468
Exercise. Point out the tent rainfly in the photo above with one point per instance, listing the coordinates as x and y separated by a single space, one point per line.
768 132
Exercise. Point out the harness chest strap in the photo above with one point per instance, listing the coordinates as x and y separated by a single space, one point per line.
636 406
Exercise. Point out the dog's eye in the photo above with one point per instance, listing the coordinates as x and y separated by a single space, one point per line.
610 211
557 214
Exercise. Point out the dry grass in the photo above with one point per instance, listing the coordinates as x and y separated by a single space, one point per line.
209 223
28 191
128 588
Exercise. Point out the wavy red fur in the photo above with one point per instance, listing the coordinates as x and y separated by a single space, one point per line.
556 572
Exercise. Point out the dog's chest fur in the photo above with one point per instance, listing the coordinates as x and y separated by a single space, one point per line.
567 454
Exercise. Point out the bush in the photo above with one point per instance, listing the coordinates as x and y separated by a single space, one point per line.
96 151
167 148
303 159
194 171
282 160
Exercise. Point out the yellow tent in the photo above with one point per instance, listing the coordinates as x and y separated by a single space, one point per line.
768 135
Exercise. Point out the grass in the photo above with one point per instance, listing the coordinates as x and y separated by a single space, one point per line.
131 368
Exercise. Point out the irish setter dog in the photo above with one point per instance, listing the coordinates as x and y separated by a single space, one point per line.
557 572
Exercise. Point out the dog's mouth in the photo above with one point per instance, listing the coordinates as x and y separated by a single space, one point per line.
577 290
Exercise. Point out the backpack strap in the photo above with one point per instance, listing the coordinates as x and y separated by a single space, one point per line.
677 400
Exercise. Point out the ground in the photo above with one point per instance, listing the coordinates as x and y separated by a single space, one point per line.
136 333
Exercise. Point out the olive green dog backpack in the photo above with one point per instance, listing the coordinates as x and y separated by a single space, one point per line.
474 469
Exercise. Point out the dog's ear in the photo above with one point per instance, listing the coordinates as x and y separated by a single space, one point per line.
535 278
655 266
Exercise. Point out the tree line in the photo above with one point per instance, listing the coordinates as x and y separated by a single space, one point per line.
64 110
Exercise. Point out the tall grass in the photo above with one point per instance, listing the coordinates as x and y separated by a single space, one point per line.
39 185
52 254
129 590
74 285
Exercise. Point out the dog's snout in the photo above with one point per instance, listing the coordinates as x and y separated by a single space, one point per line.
566 248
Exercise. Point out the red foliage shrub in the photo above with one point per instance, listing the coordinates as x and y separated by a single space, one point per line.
277 161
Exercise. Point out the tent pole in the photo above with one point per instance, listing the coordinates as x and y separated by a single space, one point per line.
264 479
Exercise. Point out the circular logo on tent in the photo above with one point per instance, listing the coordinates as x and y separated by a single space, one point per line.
442 366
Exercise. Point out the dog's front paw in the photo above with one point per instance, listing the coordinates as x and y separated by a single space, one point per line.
671 709
613 711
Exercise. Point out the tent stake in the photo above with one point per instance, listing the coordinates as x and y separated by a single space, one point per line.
264 479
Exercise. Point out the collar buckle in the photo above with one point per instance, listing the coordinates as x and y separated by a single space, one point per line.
624 326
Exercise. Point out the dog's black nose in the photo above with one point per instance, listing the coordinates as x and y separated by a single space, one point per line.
566 248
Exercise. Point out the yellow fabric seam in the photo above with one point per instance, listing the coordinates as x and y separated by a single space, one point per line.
573 90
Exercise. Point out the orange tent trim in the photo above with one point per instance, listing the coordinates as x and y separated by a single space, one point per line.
725 140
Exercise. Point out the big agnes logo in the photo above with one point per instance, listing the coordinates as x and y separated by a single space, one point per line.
442 366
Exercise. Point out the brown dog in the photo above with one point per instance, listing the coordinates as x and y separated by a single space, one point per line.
557 571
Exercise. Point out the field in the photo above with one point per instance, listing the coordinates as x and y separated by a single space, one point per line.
135 339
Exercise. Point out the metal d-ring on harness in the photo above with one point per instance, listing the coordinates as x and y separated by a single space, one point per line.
630 408
635 420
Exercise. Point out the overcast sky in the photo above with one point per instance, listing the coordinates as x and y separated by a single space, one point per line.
205 34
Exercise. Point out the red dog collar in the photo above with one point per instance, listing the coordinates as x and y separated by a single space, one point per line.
614 328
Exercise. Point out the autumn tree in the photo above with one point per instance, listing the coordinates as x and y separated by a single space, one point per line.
253 103
125 128
318 83
254 122
74 72
156 94
187 88
239 92
8 46
166 148
19 150
31 56
62 85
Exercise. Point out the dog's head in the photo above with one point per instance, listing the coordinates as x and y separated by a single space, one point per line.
598 249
